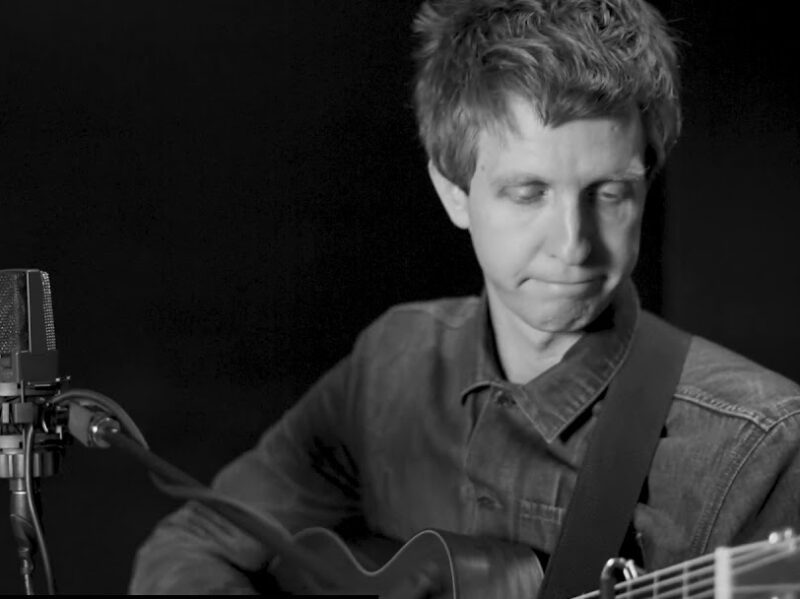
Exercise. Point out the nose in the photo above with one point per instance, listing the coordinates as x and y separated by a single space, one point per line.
569 237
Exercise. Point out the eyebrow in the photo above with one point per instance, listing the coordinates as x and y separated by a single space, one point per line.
518 178
632 173
629 174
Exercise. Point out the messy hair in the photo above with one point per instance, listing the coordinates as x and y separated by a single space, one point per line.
570 59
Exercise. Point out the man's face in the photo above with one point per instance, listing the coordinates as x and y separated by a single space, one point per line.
555 215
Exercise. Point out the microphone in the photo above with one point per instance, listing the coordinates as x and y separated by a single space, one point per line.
38 420
32 428
27 333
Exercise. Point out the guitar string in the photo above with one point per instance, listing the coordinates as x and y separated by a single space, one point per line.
697 565
694 568
761 561
740 564
695 590
773 590
677 570
682 590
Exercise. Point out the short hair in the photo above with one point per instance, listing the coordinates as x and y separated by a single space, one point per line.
571 58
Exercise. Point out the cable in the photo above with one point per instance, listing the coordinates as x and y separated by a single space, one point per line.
28 583
82 397
176 483
95 398
260 526
28 449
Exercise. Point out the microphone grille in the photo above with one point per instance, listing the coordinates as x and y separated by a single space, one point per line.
13 312
26 312
49 324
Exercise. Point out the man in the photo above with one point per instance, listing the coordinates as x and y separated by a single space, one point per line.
544 122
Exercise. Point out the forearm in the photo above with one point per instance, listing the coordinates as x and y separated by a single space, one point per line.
299 474
194 551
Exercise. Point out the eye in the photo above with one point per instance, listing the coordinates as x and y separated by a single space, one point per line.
612 192
531 193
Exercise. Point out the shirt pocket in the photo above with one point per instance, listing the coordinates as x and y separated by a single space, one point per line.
538 524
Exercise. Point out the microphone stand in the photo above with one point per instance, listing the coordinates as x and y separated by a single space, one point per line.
23 529
32 442
33 434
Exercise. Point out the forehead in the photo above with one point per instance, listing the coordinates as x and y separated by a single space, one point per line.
580 149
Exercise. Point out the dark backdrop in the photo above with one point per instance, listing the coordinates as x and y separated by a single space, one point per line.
224 193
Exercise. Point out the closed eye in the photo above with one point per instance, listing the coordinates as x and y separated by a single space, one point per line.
612 192
527 193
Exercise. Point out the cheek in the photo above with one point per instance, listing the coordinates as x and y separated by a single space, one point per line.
622 240
503 247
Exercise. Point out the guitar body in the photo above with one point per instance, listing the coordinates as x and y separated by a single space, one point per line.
433 563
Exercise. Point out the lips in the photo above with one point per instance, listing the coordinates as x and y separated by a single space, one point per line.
564 288
583 281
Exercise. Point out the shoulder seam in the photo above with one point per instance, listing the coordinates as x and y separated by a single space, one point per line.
445 319
708 400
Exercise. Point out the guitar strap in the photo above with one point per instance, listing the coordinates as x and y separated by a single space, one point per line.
617 460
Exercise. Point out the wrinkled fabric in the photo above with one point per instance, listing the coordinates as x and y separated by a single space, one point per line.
417 428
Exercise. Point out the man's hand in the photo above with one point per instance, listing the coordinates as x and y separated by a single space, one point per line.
423 584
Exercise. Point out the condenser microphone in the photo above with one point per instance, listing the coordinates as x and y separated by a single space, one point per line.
28 355
28 373
32 430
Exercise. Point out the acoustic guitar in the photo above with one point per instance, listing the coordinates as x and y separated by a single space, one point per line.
453 566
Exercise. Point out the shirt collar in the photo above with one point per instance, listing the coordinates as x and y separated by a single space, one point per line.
556 398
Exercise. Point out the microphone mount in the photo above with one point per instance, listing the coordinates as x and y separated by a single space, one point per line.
31 407
33 439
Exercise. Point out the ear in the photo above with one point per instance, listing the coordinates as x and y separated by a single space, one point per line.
452 197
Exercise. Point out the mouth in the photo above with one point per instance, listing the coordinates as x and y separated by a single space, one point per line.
570 282
570 286
580 282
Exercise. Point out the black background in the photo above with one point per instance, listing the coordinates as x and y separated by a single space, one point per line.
225 192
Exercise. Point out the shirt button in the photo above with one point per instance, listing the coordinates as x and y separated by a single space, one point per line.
486 502
504 399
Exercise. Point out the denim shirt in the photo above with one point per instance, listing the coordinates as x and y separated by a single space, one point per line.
417 429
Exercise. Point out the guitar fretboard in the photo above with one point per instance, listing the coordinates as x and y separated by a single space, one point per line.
724 574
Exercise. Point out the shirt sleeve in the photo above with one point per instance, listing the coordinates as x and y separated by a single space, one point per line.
301 472
764 496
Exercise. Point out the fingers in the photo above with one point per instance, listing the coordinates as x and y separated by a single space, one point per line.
423 584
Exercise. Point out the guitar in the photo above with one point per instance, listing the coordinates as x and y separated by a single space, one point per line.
454 566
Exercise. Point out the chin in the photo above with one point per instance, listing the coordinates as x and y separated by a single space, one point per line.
565 319
561 324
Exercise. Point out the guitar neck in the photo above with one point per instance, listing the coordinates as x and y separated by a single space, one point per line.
770 568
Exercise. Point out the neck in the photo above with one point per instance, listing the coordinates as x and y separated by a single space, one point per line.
525 352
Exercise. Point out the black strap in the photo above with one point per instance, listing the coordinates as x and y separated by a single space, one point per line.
617 459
